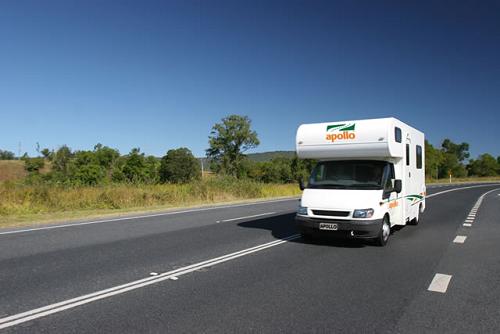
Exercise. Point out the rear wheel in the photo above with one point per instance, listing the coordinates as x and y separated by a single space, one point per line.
385 231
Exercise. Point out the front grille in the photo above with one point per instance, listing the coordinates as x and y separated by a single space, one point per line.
330 213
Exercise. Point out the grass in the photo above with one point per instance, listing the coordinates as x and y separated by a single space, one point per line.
22 204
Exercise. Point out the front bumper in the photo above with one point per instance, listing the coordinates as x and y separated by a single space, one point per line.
347 228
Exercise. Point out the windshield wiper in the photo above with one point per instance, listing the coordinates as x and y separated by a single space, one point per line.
361 185
328 186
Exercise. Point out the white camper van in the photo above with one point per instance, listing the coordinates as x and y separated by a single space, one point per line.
369 177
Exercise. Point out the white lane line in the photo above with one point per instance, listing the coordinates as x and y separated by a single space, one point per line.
456 189
252 216
459 239
440 283
143 216
170 275
467 224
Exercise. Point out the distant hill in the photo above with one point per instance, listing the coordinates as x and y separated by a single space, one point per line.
258 157
267 156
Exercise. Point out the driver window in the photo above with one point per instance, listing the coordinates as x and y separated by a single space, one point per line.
388 176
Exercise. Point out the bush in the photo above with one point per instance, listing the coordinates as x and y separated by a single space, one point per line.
6 155
179 166
33 165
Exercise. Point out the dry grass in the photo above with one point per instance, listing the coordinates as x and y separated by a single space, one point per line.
12 170
24 203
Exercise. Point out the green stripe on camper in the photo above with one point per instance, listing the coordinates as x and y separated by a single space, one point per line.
334 127
413 198
341 127
350 127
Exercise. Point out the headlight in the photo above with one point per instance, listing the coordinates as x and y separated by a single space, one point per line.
363 213
302 210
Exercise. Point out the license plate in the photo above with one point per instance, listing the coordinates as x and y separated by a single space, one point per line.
328 226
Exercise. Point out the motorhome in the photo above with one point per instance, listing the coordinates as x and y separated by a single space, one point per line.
370 176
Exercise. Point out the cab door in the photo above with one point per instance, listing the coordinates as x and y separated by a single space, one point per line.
392 198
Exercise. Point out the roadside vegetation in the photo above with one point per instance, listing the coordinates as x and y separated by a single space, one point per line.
62 183
25 202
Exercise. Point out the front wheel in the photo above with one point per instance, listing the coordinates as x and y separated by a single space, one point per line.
385 231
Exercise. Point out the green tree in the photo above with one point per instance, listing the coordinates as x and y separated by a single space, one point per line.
179 166
6 155
453 157
450 164
485 165
228 141
301 168
433 159
105 155
152 167
47 154
84 169
117 174
134 168
61 158
461 151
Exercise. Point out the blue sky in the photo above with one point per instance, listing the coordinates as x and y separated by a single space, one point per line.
158 74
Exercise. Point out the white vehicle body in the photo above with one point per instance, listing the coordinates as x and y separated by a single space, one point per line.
353 151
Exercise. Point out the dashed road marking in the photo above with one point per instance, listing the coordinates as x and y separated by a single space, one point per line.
459 239
20 318
440 283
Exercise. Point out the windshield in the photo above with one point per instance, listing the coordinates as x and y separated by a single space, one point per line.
348 175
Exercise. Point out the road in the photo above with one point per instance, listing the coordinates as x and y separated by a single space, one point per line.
243 269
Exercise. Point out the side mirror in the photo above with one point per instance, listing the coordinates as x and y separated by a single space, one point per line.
398 186
301 184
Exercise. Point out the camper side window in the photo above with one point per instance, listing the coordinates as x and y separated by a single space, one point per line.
419 157
397 134
407 154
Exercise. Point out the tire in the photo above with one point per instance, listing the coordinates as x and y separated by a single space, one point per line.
385 232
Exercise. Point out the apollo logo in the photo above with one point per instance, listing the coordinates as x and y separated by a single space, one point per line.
340 132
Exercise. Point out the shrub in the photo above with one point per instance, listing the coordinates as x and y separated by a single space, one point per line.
33 165
179 166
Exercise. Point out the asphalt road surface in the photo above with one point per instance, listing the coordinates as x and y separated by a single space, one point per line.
243 268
